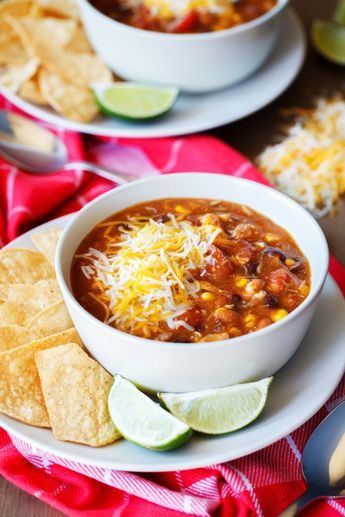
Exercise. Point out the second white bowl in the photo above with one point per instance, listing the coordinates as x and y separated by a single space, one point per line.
192 62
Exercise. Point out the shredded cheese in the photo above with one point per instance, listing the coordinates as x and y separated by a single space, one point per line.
309 163
172 8
147 276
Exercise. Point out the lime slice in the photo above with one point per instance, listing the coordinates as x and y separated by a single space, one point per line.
142 421
220 410
134 101
329 40
339 13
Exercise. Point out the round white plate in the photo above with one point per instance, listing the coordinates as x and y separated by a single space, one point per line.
297 392
194 113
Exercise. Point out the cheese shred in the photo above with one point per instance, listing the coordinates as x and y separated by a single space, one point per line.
147 276
309 163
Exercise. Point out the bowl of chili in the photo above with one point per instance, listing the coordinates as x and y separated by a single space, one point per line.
192 281
197 51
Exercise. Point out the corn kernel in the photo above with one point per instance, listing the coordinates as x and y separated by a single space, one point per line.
241 282
289 262
235 331
271 237
304 290
180 209
250 320
208 296
279 314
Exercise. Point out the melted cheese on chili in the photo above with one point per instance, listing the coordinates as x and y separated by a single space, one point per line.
149 277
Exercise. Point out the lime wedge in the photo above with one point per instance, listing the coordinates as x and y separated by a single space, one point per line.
219 411
339 13
142 421
329 40
134 101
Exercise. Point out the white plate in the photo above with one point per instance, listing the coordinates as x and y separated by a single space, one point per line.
298 391
194 113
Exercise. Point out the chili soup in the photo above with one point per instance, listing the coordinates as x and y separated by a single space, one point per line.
186 16
189 270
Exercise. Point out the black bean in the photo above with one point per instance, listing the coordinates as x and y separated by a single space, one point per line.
235 299
252 268
275 252
271 300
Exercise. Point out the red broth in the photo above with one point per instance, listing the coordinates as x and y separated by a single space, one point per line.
193 21
189 270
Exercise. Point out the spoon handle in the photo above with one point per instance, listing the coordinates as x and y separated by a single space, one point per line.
297 505
116 177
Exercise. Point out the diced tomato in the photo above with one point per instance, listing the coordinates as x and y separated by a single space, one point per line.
184 24
218 266
192 317
279 279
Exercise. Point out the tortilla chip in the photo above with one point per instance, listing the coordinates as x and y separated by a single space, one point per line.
12 77
6 32
79 41
29 91
42 294
35 33
18 313
15 7
50 320
24 266
72 102
12 336
76 68
20 388
65 8
46 242
12 53
75 389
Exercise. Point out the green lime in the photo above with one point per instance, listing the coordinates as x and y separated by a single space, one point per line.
329 40
142 421
339 13
219 411
134 101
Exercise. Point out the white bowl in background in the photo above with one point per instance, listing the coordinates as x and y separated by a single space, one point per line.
179 367
193 62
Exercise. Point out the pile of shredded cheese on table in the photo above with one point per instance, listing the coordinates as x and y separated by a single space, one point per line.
147 275
309 163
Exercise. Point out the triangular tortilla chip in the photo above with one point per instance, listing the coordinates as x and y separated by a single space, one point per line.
50 320
23 266
75 389
12 336
20 388
46 242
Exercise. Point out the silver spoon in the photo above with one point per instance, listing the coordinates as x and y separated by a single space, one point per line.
38 151
324 451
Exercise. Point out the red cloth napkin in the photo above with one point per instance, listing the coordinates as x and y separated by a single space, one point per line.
261 484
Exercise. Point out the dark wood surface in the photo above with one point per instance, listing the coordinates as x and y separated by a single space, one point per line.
249 136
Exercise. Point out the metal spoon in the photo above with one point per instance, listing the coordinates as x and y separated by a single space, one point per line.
38 151
316 458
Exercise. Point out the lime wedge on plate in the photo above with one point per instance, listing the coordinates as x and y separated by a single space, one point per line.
142 421
339 13
329 40
219 411
134 101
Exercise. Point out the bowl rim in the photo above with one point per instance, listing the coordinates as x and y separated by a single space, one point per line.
159 36
157 344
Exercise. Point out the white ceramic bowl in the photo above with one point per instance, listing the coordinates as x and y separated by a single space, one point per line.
193 62
161 366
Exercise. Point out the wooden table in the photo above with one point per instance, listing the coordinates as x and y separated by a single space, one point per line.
249 136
